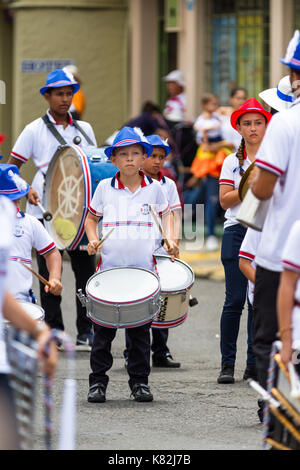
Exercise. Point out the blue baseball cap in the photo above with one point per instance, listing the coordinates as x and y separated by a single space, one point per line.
292 56
129 136
59 78
156 141
11 183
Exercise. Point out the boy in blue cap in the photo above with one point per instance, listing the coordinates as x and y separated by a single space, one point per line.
28 233
123 201
40 140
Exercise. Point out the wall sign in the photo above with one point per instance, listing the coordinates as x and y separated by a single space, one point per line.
44 65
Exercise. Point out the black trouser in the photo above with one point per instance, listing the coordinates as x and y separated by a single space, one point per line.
138 354
265 325
159 343
83 266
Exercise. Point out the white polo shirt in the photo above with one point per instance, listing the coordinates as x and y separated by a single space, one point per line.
37 141
28 233
248 251
291 261
279 153
7 220
135 234
170 190
175 107
230 175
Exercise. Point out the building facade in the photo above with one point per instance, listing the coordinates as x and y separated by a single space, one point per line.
123 48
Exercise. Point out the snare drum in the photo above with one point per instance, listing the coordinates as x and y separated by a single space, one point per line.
124 297
33 310
176 281
71 180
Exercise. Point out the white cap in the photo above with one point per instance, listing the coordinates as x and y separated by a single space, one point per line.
279 98
71 69
175 76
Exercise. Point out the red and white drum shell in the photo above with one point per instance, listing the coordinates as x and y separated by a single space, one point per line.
124 297
176 280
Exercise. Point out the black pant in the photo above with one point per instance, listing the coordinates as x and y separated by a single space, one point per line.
83 266
159 343
138 354
265 325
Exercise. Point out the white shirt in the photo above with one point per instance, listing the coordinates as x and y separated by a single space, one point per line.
291 261
7 220
230 175
212 125
170 190
29 233
248 250
135 234
229 133
175 108
279 154
37 141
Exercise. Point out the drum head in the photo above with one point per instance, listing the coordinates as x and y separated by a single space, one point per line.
122 285
174 276
35 311
64 196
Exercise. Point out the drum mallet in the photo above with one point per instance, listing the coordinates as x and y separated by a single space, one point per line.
159 227
104 238
41 278
46 214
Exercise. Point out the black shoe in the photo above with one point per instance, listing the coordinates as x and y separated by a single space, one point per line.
166 361
97 393
250 373
226 375
141 392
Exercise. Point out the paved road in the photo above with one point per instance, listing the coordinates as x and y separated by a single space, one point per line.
190 410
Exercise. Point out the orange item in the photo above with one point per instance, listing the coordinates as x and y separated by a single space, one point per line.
209 163
79 101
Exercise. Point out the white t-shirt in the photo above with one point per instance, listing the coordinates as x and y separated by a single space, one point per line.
29 233
248 251
172 196
212 125
291 261
230 175
229 133
135 234
7 220
37 141
175 107
279 153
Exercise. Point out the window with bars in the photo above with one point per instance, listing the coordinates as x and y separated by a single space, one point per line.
237 40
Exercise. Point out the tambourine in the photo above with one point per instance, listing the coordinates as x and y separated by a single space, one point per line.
244 186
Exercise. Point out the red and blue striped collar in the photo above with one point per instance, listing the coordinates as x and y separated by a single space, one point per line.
70 119
161 178
117 183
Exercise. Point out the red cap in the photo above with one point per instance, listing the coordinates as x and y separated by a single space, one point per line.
250 106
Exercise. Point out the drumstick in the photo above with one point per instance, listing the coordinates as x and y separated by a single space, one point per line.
46 214
104 238
159 227
41 278
295 385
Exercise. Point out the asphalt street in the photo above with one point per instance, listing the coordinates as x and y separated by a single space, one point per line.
190 410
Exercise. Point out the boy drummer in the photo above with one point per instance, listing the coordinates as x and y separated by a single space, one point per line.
123 201
152 167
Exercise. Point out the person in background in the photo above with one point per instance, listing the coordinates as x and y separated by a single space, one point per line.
238 96
175 106
79 99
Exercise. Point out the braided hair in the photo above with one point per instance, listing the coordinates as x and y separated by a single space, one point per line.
240 155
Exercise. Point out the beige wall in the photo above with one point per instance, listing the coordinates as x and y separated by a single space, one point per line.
6 77
95 37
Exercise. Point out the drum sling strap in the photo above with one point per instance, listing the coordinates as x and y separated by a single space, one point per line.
59 137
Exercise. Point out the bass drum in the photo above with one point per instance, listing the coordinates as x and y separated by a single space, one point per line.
71 180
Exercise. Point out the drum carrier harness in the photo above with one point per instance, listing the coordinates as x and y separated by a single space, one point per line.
59 137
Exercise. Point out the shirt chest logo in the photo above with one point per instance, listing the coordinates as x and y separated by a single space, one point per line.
145 210
19 231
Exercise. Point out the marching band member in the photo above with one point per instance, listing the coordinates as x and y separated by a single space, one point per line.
13 312
28 233
152 167
250 120
40 140
123 202
288 299
277 172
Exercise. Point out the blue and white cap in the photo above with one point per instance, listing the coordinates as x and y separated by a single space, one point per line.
11 183
59 78
156 141
129 136
279 98
292 56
